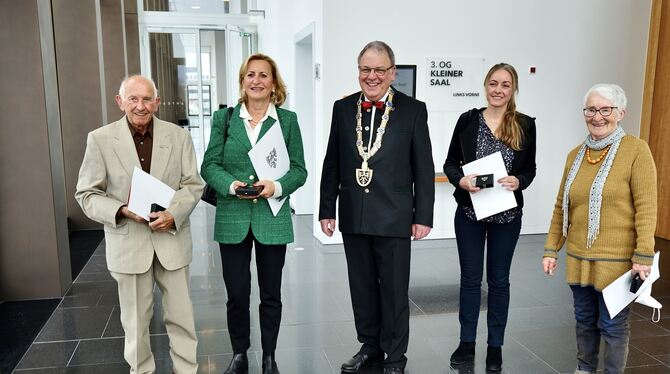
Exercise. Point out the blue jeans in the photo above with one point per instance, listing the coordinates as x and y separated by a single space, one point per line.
593 322
500 240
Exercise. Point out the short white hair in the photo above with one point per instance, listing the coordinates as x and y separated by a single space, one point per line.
609 91
122 88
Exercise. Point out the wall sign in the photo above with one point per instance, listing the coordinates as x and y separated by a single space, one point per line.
455 83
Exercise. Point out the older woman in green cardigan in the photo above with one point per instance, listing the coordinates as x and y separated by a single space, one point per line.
243 222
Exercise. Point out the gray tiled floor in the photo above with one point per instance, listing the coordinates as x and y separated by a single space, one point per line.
84 334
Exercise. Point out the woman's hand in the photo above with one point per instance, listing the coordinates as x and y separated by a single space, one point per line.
510 182
268 188
238 184
467 184
643 270
549 265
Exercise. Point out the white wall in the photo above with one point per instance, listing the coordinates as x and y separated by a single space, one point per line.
286 22
573 43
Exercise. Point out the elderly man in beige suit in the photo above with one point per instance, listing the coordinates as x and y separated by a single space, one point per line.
139 252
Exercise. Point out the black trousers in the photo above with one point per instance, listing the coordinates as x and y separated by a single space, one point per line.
236 259
378 269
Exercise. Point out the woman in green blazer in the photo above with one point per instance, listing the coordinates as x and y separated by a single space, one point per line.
243 222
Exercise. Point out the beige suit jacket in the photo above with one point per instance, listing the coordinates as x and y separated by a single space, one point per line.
104 186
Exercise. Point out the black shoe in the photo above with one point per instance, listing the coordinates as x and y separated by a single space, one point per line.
464 353
269 365
360 362
238 365
394 371
494 358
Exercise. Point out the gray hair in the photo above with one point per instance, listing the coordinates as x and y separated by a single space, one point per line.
609 91
380 47
122 88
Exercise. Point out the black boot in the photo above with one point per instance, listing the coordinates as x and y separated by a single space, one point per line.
464 353
238 365
269 364
494 358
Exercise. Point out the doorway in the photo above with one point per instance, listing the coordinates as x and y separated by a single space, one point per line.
304 200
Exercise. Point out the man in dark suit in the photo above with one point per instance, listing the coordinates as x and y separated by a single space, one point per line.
379 162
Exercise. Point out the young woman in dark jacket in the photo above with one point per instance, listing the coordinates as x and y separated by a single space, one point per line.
479 133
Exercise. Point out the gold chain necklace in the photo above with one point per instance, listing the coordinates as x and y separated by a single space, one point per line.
364 174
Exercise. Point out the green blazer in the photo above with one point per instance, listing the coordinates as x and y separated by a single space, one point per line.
226 160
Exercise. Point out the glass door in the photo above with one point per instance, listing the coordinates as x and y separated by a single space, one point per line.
196 72
171 61
221 55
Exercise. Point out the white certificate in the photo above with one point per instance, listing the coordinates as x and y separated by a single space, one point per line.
271 161
146 189
617 295
489 201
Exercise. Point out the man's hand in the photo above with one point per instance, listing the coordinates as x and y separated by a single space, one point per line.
164 221
130 215
328 226
420 231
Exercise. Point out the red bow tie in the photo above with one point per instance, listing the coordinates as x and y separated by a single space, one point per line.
369 104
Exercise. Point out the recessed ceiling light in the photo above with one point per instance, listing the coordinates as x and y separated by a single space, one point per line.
195 7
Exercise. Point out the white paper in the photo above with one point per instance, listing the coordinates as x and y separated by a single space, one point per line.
146 189
617 295
489 201
271 161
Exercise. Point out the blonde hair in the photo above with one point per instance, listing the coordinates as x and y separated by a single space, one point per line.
510 131
279 93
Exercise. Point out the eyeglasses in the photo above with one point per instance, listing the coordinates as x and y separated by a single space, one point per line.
379 71
604 111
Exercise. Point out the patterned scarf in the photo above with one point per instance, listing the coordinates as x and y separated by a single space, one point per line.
596 195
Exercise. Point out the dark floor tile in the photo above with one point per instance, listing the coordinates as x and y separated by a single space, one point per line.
218 363
663 358
307 336
113 368
43 355
75 323
439 299
21 321
655 369
103 276
82 245
215 342
79 301
92 288
655 345
638 358
109 299
97 264
302 360
98 351
643 329
555 346
115 329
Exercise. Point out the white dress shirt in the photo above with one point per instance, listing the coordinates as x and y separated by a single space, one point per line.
252 134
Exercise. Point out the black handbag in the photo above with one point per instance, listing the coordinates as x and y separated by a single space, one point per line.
209 193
